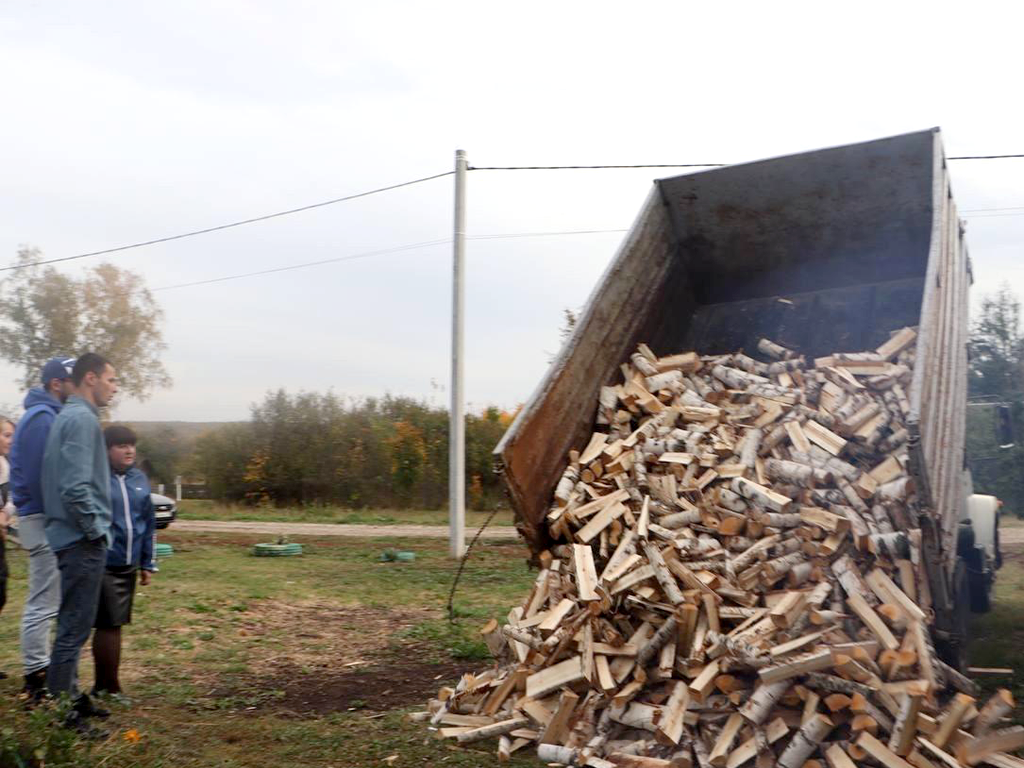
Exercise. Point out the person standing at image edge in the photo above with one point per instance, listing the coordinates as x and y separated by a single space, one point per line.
6 508
42 404
76 503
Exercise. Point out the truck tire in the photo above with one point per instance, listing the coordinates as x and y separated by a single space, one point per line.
979 582
954 650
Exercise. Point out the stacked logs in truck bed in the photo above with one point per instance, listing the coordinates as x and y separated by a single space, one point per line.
736 581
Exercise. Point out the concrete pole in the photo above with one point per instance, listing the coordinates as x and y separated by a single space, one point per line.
457 426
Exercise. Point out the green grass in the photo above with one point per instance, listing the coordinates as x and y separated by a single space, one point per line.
220 631
998 637
198 509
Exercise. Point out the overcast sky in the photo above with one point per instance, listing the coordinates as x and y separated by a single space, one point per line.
125 121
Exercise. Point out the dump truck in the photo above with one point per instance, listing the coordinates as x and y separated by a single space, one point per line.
822 252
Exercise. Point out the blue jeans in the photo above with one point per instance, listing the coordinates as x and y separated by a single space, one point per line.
43 598
81 573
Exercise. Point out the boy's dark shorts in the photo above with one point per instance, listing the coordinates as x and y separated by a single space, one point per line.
116 594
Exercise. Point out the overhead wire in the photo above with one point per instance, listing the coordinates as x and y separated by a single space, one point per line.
378 190
220 227
379 252
305 265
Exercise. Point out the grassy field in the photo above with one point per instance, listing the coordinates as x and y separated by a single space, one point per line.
998 637
239 661
197 509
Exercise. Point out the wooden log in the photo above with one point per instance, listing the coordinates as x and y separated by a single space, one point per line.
666 631
835 684
900 341
784 613
748 750
996 708
488 731
541 683
774 350
973 751
805 741
586 573
798 474
951 719
761 703
661 572
824 437
556 753
880 752
522 636
704 683
670 726
748 489
956 679
836 757
901 741
727 736
888 592
859 606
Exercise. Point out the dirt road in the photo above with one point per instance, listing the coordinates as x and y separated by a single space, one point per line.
505 533
1011 536
1007 536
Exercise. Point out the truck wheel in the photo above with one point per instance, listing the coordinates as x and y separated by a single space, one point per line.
978 581
954 650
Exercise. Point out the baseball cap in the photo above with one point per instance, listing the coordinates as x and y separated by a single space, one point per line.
57 368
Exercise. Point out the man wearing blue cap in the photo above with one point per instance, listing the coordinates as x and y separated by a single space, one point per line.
42 404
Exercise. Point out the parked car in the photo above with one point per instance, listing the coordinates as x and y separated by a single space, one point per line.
165 508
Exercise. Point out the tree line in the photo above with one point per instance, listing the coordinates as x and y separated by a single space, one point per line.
996 377
313 448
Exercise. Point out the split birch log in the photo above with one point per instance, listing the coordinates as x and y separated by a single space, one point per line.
996 708
487 731
805 741
974 751
763 701
901 741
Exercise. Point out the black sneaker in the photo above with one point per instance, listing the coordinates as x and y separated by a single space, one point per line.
76 721
34 690
85 707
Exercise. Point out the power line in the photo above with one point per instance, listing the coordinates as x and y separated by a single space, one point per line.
673 165
508 235
590 167
986 210
304 265
233 224
985 157
381 252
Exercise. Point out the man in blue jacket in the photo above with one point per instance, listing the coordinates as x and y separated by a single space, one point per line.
76 502
42 404
133 530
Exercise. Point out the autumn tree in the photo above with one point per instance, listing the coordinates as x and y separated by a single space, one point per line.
45 313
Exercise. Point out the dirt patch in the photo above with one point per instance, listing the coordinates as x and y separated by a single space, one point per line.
394 683
334 659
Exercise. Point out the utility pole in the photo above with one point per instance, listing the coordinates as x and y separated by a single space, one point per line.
457 426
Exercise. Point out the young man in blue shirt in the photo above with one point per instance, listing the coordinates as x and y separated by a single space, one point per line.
42 404
133 534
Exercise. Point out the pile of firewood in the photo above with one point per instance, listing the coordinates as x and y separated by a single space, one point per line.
736 580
